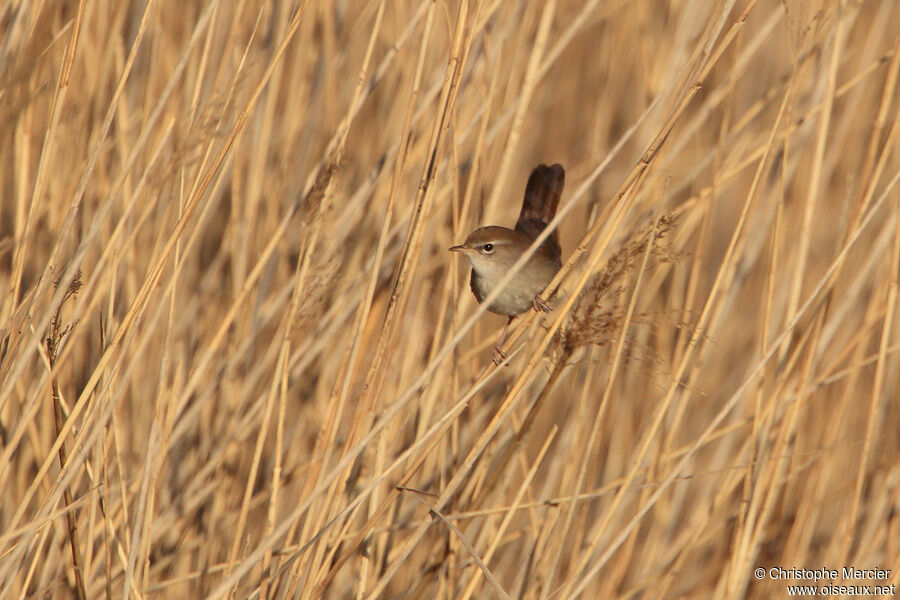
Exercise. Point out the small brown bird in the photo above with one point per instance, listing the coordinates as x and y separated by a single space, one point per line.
493 250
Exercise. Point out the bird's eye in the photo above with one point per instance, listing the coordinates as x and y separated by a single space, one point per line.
487 248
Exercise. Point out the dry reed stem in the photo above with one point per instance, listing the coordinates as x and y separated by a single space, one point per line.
53 340
529 476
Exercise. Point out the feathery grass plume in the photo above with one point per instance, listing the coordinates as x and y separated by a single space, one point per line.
598 313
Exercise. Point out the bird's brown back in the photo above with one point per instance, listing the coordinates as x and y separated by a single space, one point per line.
542 194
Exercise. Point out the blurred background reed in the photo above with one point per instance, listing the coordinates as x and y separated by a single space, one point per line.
236 359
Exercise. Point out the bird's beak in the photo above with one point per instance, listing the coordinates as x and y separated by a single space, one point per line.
460 248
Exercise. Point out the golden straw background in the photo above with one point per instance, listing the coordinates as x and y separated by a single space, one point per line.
237 360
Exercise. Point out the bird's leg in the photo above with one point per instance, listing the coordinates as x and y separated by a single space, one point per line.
540 305
498 355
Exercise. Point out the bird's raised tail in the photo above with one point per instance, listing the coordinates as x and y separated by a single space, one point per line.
542 194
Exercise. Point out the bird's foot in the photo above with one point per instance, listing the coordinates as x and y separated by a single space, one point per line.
498 356
540 305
